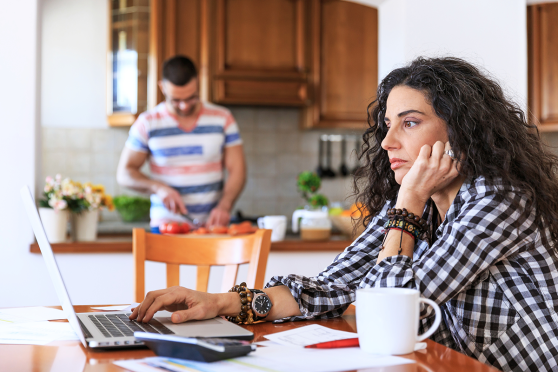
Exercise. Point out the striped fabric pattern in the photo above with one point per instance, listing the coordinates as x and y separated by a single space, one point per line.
189 161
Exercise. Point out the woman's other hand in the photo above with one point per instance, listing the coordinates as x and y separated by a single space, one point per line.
186 304
432 171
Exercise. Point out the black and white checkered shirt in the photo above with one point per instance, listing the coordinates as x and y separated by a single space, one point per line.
489 271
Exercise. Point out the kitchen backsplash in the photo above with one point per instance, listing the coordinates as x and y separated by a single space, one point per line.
276 151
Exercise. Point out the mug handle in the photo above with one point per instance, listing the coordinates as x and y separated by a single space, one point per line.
261 223
437 321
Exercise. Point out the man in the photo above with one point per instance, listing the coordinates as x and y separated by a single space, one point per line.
189 144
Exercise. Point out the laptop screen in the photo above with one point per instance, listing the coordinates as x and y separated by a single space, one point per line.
50 262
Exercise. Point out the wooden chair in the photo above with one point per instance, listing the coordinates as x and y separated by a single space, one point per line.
203 252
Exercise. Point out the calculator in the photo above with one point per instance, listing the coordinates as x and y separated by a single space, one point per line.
201 349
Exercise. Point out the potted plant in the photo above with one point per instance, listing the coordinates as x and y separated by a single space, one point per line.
308 184
53 209
91 198
132 208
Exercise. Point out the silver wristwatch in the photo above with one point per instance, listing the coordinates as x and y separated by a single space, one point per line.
261 304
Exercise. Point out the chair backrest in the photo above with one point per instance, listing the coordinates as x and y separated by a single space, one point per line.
203 252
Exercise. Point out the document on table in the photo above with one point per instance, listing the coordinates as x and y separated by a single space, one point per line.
36 333
117 307
309 335
29 314
272 359
112 308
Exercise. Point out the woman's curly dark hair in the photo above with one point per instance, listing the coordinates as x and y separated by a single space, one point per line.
488 134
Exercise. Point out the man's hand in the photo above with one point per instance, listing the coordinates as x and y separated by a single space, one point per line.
171 199
219 216
186 304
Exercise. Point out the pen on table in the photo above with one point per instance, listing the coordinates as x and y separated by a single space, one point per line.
350 342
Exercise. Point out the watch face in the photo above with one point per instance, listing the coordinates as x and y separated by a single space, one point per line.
262 305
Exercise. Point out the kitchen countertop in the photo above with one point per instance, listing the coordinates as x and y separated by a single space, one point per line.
122 243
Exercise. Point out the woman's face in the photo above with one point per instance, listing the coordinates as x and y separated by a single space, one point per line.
412 123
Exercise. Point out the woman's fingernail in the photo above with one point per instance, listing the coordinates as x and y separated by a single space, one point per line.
177 317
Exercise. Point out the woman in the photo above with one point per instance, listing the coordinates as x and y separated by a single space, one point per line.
444 144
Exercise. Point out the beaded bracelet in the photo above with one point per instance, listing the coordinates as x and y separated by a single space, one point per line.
402 214
405 227
246 315
406 222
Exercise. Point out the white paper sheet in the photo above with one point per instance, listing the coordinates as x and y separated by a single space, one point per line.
112 308
36 333
309 335
273 359
30 314
314 334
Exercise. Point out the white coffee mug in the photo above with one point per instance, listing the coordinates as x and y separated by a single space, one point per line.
388 320
277 225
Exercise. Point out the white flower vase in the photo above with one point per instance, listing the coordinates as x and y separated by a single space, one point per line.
85 225
55 224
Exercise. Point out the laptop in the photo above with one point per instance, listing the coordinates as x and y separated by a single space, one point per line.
114 329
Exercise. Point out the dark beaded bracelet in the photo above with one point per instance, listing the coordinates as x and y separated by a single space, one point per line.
402 214
404 226
246 316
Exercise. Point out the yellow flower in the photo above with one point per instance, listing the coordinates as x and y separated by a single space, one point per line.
98 188
107 201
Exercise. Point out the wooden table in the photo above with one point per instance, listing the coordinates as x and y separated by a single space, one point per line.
72 356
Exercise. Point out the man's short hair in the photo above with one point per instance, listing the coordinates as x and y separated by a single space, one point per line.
179 70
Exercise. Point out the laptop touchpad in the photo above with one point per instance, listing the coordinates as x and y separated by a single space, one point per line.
167 319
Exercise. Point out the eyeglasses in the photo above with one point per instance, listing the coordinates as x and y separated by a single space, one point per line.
187 101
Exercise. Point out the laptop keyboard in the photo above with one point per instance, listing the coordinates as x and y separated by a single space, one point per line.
119 325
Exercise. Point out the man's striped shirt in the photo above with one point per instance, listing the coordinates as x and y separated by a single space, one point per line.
189 161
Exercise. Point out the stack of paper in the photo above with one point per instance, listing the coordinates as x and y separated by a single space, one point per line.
284 353
36 333
29 314
309 335
29 325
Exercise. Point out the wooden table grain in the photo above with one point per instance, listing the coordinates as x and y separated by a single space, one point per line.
69 356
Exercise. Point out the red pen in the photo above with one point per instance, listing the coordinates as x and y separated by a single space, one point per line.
349 342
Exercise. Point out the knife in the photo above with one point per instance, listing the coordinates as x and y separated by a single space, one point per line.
194 221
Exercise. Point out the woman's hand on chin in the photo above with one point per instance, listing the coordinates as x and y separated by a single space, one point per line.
432 171
186 304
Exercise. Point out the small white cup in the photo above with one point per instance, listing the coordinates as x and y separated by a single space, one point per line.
388 320
277 225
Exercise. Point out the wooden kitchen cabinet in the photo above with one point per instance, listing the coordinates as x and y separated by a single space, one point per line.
344 64
127 60
180 27
321 55
542 33
260 52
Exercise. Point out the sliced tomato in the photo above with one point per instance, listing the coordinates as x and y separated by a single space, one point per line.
173 228
201 231
163 228
219 229
184 228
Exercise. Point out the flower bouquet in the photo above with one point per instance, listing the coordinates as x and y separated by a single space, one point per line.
61 196
53 209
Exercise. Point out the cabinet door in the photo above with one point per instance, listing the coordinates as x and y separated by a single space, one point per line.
345 64
127 63
180 27
260 52
543 65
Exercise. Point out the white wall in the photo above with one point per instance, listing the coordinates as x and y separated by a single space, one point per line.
491 34
22 275
488 33
74 48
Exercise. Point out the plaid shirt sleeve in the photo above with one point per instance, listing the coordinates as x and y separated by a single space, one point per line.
328 294
482 231
486 229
